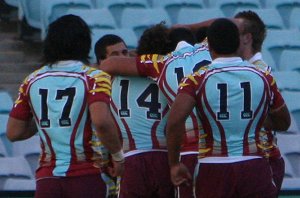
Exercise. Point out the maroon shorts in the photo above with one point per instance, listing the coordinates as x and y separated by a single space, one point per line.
147 175
277 166
247 179
77 187
190 161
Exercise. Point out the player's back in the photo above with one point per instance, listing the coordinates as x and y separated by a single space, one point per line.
58 95
141 111
235 98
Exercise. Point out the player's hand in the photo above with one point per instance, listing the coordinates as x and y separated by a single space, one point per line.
180 174
117 168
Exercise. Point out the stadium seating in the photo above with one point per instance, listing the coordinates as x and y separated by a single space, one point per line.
14 3
193 15
96 18
141 19
291 184
290 60
3 152
51 10
287 80
11 184
6 102
30 149
269 59
14 167
230 6
293 21
292 101
173 6
31 12
6 143
284 7
279 40
289 146
116 7
270 17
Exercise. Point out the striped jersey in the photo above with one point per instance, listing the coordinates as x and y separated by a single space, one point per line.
140 110
58 98
233 99
168 72
267 138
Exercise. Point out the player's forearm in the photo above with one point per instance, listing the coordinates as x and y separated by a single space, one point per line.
278 120
110 139
195 26
174 139
18 130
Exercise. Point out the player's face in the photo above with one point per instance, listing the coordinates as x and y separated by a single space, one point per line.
118 49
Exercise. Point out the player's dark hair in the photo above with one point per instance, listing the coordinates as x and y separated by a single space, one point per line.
254 25
181 34
103 43
68 38
201 34
154 40
223 36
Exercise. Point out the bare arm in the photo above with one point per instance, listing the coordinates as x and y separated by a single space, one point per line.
120 66
17 130
180 110
195 26
105 126
278 120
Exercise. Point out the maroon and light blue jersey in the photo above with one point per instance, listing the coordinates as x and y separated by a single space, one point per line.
58 98
168 71
233 99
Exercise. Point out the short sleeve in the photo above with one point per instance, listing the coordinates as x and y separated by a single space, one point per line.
99 88
21 109
150 65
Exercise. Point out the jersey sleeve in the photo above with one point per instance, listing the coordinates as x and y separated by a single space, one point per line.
277 100
21 109
99 88
191 83
150 65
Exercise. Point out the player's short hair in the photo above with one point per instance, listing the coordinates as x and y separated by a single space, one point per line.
181 34
254 25
154 40
223 36
103 43
68 38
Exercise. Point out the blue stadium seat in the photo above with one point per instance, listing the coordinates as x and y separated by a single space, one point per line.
19 184
289 146
14 167
270 17
284 7
287 80
279 40
51 10
96 18
127 34
230 6
173 6
30 149
141 19
3 151
116 7
290 60
294 21
14 3
193 15
31 11
292 101
6 102
291 184
4 140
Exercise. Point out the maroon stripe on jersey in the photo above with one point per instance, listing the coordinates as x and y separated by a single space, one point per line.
43 159
162 83
259 125
131 141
